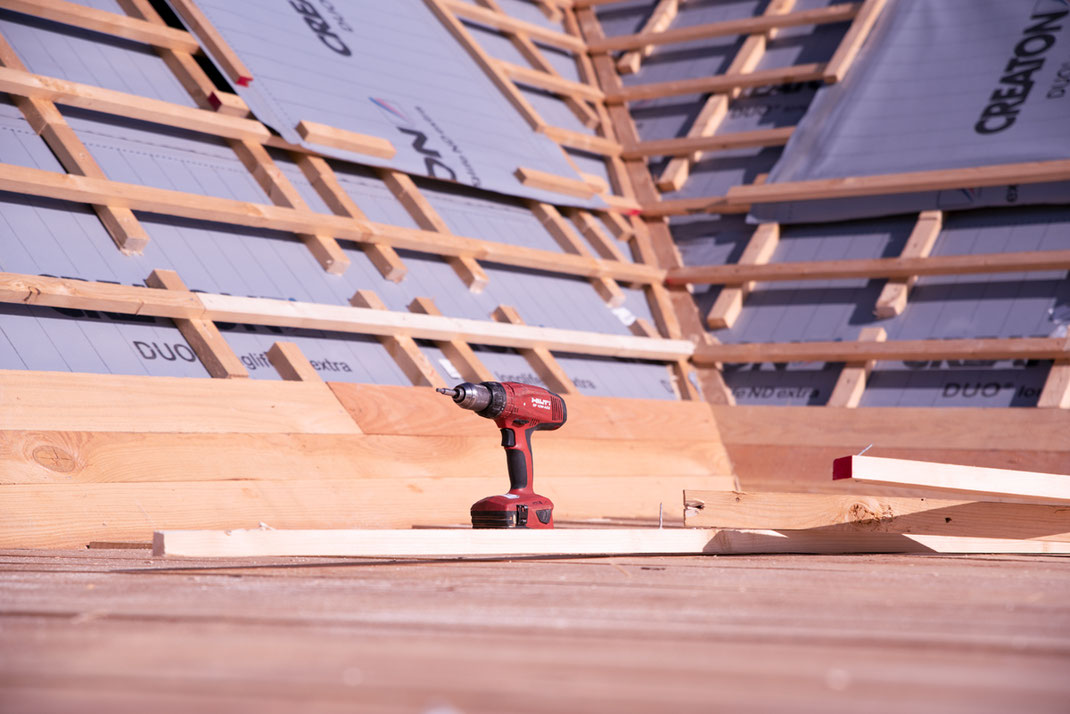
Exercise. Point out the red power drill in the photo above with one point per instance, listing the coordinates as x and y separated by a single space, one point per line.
518 410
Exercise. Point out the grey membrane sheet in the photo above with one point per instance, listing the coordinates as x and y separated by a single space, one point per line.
385 69
939 84
67 240
1001 305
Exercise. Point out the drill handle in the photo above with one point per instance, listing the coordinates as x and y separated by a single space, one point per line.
517 443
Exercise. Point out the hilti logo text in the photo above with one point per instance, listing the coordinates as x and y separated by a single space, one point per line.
540 402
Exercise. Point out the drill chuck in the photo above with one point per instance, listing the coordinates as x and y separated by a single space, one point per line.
487 399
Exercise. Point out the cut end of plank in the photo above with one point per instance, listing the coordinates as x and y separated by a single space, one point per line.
841 468
244 81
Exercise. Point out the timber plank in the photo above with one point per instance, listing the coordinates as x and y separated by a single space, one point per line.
73 457
54 401
72 515
952 477
384 409
580 542
884 514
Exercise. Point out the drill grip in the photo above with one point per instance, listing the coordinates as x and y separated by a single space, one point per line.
518 459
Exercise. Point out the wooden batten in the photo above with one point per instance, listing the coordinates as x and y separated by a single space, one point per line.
893 298
324 135
202 335
291 363
402 348
759 251
538 356
556 225
550 182
660 18
720 83
909 350
847 392
406 192
224 56
457 351
854 39
109 23
743 26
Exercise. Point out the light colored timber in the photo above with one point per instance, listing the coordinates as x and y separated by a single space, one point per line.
339 318
847 392
852 42
893 298
618 225
715 108
743 26
875 514
258 161
59 292
387 409
1056 392
538 356
729 303
458 352
324 135
566 237
92 190
592 230
550 82
402 348
186 69
45 119
790 448
507 23
943 179
688 145
425 215
579 542
65 457
323 180
202 335
907 350
105 402
533 178
692 206
445 14
108 101
69 515
109 23
590 143
534 56
223 56
951 477
291 363
901 268
660 18
719 83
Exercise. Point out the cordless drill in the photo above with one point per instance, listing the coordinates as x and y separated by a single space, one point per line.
518 410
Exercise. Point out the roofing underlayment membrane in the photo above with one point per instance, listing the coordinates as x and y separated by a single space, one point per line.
404 73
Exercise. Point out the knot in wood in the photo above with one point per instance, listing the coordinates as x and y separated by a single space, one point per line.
54 458
870 515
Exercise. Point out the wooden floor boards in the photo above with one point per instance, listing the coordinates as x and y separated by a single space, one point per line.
118 631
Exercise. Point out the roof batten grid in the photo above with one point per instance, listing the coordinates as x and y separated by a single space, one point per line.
669 306
506 76
45 119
